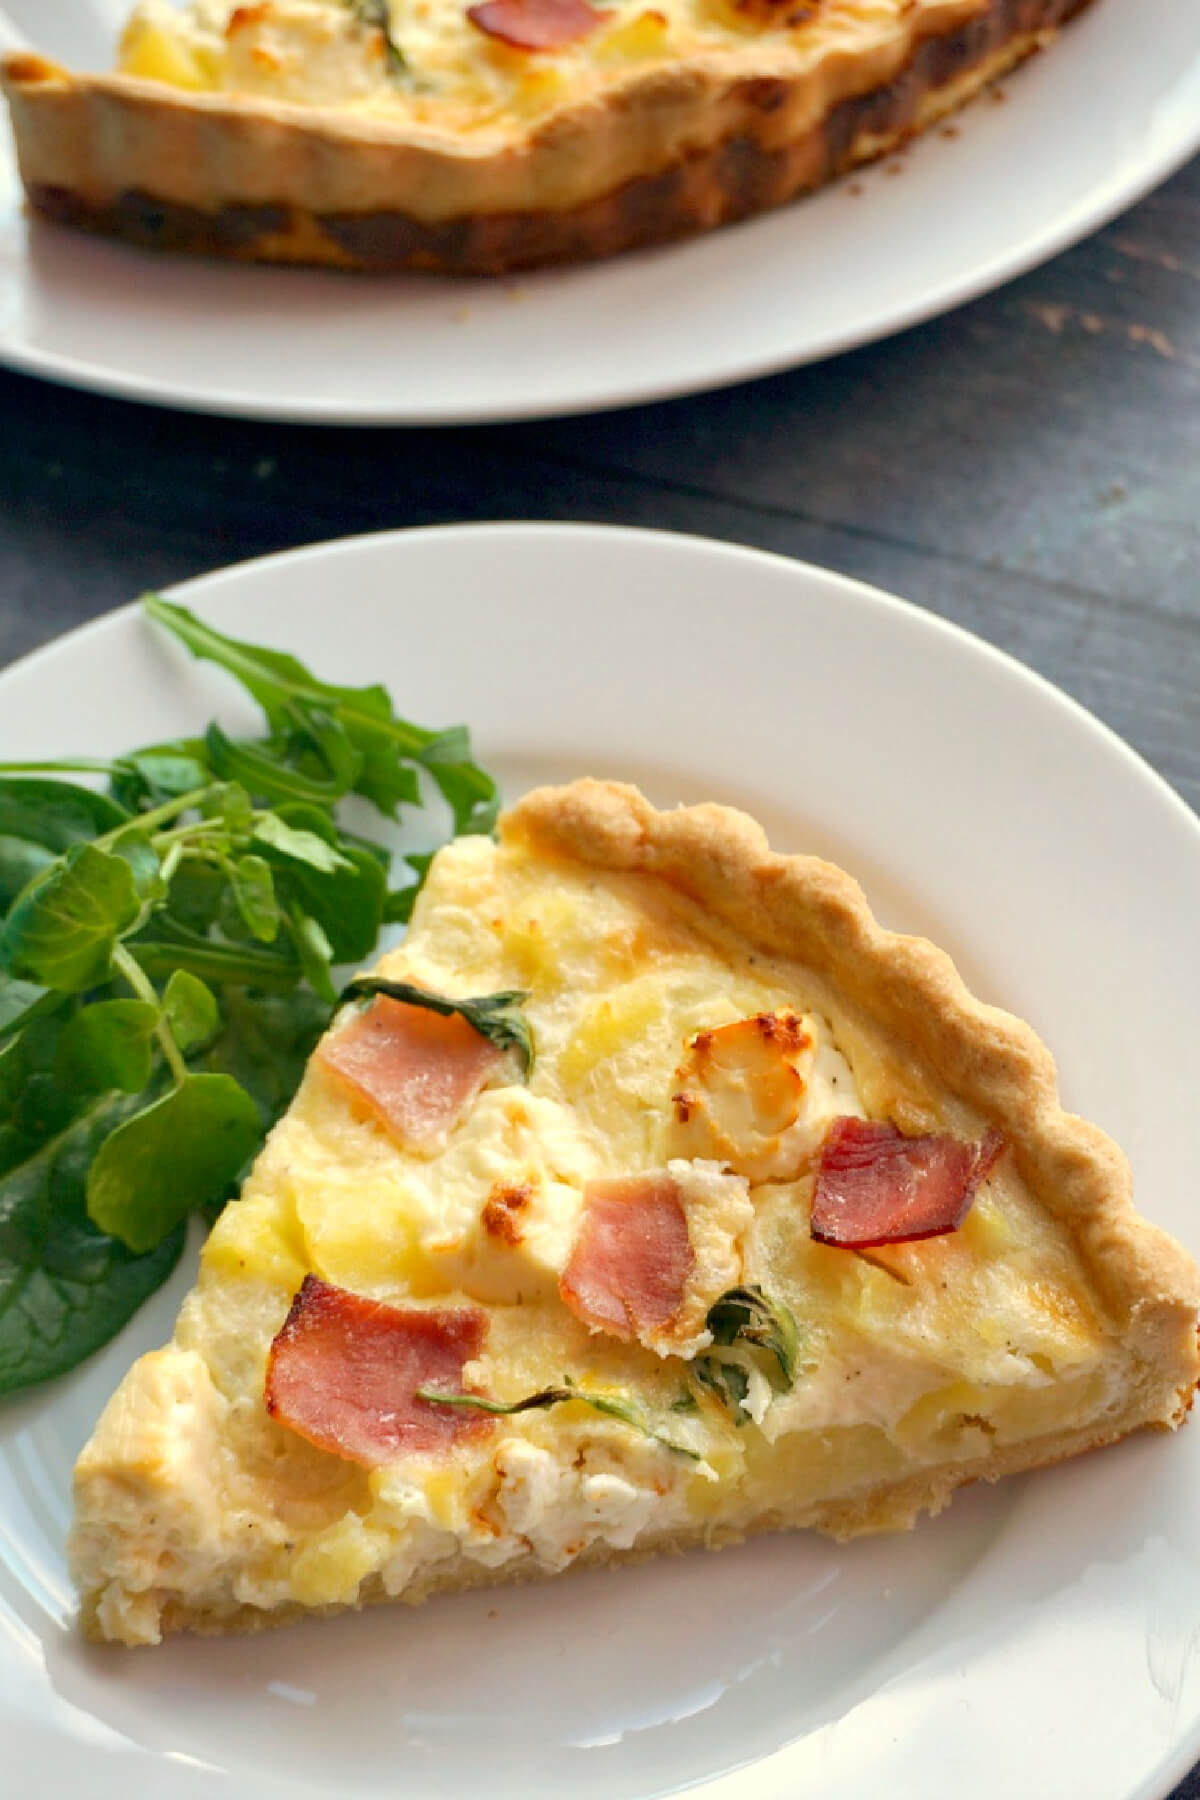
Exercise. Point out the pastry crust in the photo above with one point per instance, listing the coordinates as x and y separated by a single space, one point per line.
810 912
151 1475
664 152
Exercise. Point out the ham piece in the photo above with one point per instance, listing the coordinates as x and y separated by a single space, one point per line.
875 1186
344 1370
414 1070
536 24
627 1272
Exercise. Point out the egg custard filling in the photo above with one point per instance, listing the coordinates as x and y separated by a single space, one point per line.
476 136
649 1195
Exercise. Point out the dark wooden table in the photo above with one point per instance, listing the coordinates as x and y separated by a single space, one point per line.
1028 466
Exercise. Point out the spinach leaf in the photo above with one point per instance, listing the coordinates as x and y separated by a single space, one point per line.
496 1017
746 1320
65 1287
55 814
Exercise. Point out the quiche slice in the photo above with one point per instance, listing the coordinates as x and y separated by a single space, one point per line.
500 134
648 1196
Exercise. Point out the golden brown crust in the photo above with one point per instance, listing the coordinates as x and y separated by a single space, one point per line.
716 865
808 911
672 151
894 1507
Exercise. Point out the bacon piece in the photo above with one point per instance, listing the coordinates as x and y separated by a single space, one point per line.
632 1258
344 1370
414 1069
537 24
876 1186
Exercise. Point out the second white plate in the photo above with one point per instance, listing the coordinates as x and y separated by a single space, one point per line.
1037 1639
1085 130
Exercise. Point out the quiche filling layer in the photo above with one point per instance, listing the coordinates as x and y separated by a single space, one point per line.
472 68
599 1272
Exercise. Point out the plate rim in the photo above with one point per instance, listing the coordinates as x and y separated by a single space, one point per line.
695 543
1154 165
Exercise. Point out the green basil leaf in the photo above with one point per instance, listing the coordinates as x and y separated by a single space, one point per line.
182 1151
192 1011
63 931
496 1017
254 893
65 1287
109 1044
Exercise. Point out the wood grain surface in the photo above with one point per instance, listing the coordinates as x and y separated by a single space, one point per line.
1028 466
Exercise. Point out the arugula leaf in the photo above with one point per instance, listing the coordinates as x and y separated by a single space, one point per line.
294 699
494 1016
615 1404
263 771
63 931
172 1156
65 1287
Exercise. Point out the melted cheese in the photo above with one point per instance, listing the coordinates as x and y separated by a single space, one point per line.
907 1356
318 53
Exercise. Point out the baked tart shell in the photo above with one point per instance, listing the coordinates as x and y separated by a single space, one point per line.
670 152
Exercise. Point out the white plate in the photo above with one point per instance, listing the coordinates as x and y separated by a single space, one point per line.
1040 1638
1085 131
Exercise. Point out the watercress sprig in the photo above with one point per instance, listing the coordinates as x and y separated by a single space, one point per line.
166 949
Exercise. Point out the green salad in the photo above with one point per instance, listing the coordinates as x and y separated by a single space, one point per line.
166 966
